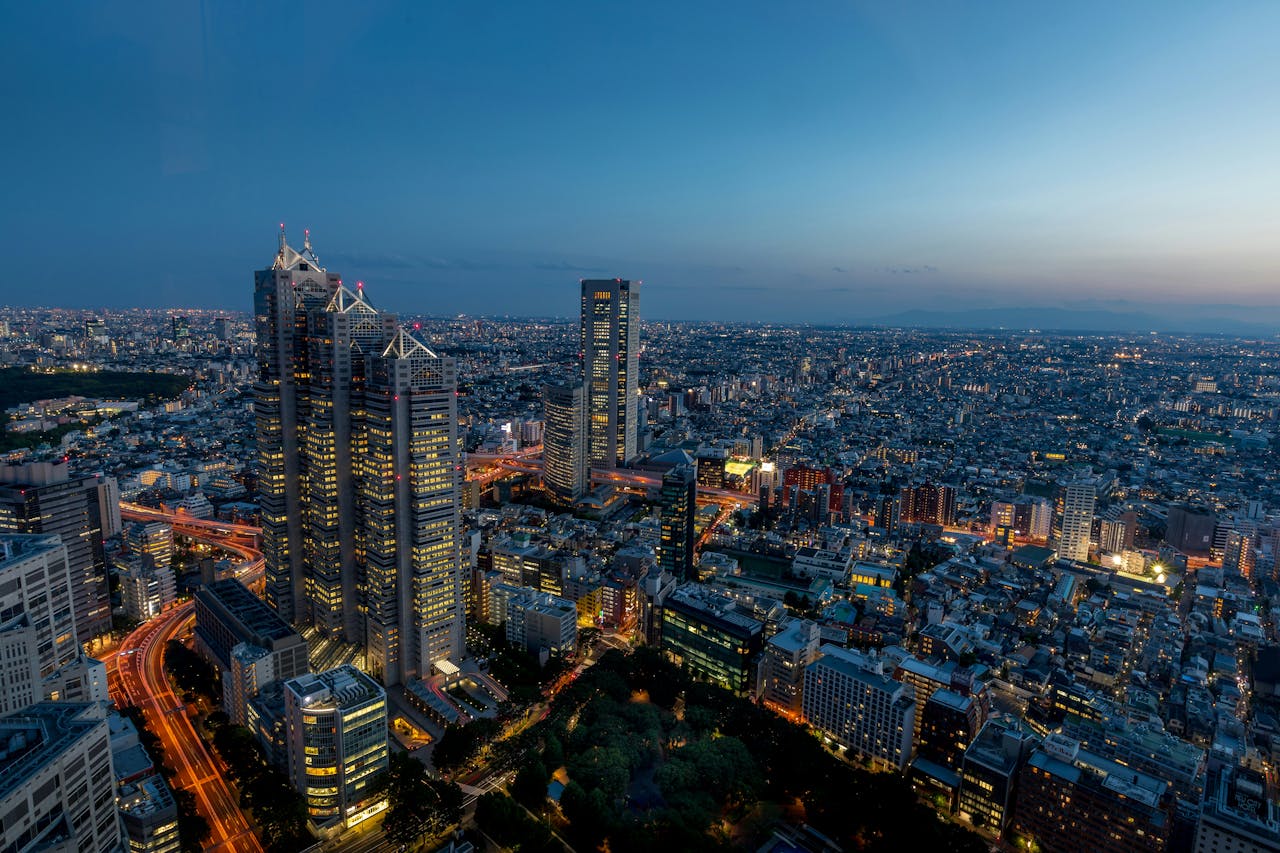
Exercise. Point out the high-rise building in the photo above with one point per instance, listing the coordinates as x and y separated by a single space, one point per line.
359 470
336 729
146 588
181 328
228 616
43 498
989 775
1077 521
783 663
35 587
59 789
609 346
677 508
566 470
1238 556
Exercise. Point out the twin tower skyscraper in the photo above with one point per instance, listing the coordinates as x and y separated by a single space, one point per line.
360 467
359 470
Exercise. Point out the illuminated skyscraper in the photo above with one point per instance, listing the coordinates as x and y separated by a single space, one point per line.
677 508
610 352
1077 521
566 471
359 470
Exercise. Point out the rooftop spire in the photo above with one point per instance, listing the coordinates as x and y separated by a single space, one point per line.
282 242
306 239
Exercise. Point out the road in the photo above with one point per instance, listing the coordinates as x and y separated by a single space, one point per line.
142 682
135 673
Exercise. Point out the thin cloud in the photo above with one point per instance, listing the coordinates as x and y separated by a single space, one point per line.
920 269
566 266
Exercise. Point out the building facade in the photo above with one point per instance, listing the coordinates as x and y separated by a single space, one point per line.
677 509
566 469
359 470
57 785
850 700
1077 521
43 498
609 346
336 732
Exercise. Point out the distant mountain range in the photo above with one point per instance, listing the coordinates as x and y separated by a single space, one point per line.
1048 318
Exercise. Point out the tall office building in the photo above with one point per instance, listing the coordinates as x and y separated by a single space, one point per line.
610 352
43 498
677 506
412 475
336 730
566 470
359 470
1077 521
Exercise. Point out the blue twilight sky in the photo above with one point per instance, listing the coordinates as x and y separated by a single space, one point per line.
830 161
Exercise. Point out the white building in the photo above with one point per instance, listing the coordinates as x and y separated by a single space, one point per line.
252 668
539 620
819 563
782 667
146 588
57 787
851 701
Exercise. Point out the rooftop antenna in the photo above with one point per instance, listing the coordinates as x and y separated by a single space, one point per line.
281 236
306 239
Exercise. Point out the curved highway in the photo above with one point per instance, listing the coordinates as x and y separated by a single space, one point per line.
136 675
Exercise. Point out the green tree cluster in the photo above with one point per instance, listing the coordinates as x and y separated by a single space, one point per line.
279 811
417 805
673 772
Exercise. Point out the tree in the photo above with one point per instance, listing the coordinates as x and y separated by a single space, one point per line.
193 829
530 786
415 805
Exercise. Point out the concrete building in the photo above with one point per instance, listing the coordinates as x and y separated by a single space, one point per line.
609 346
1070 799
1237 815
251 669
786 655
989 775
43 498
566 469
146 588
151 542
848 698
539 620
336 731
56 780
228 614
35 585
149 815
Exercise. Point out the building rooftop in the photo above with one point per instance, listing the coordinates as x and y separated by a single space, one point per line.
36 735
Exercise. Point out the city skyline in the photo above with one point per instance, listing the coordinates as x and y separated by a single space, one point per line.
931 156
